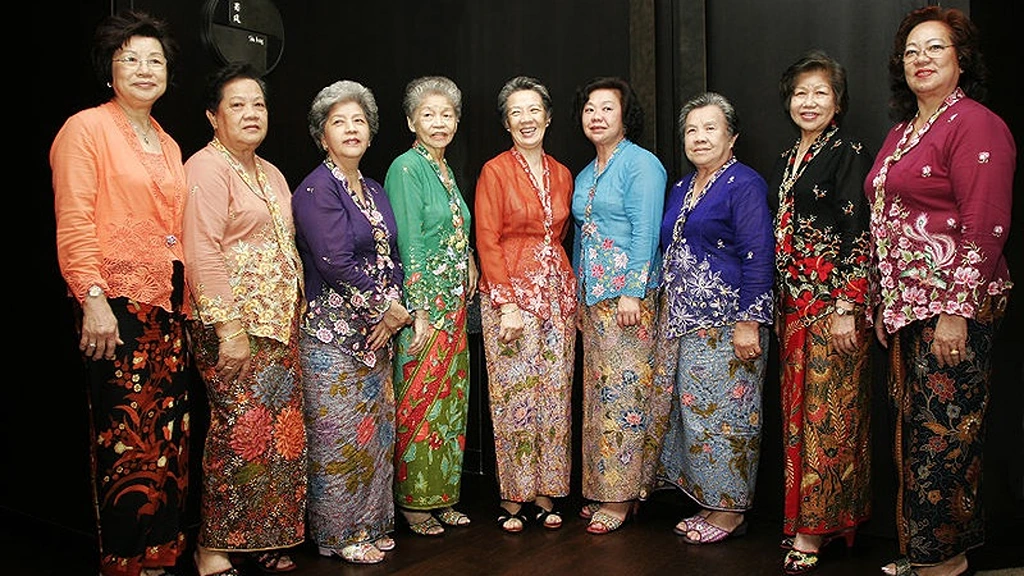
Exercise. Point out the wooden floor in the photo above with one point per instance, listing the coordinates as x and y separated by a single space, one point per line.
643 546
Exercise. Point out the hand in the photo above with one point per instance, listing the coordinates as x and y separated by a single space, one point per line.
511 325
233 355
883 338
474 276
100 335
628 311
423 331
843 332
949 344
746 340
393 320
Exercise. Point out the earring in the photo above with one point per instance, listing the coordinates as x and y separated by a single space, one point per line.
108 85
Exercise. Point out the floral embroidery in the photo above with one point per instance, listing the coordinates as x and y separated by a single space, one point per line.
926 171
983 158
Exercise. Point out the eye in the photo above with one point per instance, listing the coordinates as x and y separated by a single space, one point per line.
130 60
910 54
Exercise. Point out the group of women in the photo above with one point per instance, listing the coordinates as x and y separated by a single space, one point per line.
329 321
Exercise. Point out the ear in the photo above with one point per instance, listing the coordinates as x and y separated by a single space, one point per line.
412 127
213 119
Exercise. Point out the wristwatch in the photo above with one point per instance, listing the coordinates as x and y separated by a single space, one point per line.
843 311
95 291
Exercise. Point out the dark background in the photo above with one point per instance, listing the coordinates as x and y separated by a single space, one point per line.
669 50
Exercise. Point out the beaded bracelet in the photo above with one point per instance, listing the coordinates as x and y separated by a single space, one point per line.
232 335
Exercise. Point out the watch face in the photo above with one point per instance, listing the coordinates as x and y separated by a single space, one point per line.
95 291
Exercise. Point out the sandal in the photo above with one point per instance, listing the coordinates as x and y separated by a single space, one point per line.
703 532
429 526
452 517
273 561
683 526
361 553
602 522
799 562
505 520
587 511
384 543
550 519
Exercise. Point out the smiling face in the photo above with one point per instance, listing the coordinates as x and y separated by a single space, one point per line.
706 138
602 117
241 119
346 133
434 123
140 83
526 119
813 103
931 76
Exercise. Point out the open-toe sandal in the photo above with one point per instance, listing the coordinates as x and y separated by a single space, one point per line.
703 532
604 523
683 526
506 520
588 510
452 517
361 553
229 571
384 543
273 561
429 526
550 519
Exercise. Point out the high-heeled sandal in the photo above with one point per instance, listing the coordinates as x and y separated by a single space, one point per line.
429 526
602 522
588 510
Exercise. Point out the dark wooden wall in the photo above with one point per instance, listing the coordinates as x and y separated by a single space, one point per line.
671 49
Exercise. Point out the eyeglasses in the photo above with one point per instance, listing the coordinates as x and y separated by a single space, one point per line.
153 62
931 51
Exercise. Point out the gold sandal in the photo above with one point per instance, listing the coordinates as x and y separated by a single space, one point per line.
452 517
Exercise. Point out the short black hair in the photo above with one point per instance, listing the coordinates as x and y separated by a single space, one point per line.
116 30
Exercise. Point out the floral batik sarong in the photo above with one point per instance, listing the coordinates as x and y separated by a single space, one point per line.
529 384
939 437
350 430
254 461
619 452
713 443
826 422
139 424
432 393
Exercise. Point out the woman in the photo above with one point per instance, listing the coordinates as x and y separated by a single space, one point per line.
821 266
245 281
616 207
346 236
940 193
119 189
432 360
528 308
717 304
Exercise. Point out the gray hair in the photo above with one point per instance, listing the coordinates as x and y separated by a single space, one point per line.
337 93
515 85
732 121
417 90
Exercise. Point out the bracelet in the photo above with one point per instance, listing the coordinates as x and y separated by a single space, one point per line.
232 335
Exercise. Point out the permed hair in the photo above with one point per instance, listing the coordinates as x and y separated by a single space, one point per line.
337 93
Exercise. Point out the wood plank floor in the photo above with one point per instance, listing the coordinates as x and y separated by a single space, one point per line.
643 546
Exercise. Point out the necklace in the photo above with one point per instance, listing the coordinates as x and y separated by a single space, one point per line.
144 134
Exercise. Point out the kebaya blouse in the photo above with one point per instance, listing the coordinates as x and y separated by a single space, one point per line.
822 250
940 213
616 214
433 236
241 262
349 257
719 261
118 207
519 233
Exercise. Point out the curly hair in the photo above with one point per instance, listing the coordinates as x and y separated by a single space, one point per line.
632 113
337 93
816 61
418 89
965 38
116 30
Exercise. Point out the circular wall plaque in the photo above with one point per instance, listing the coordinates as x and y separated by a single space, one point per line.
243 30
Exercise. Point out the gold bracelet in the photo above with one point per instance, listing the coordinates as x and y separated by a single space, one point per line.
232 335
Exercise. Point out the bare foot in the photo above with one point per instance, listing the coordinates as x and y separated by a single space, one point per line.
807 542
211 561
